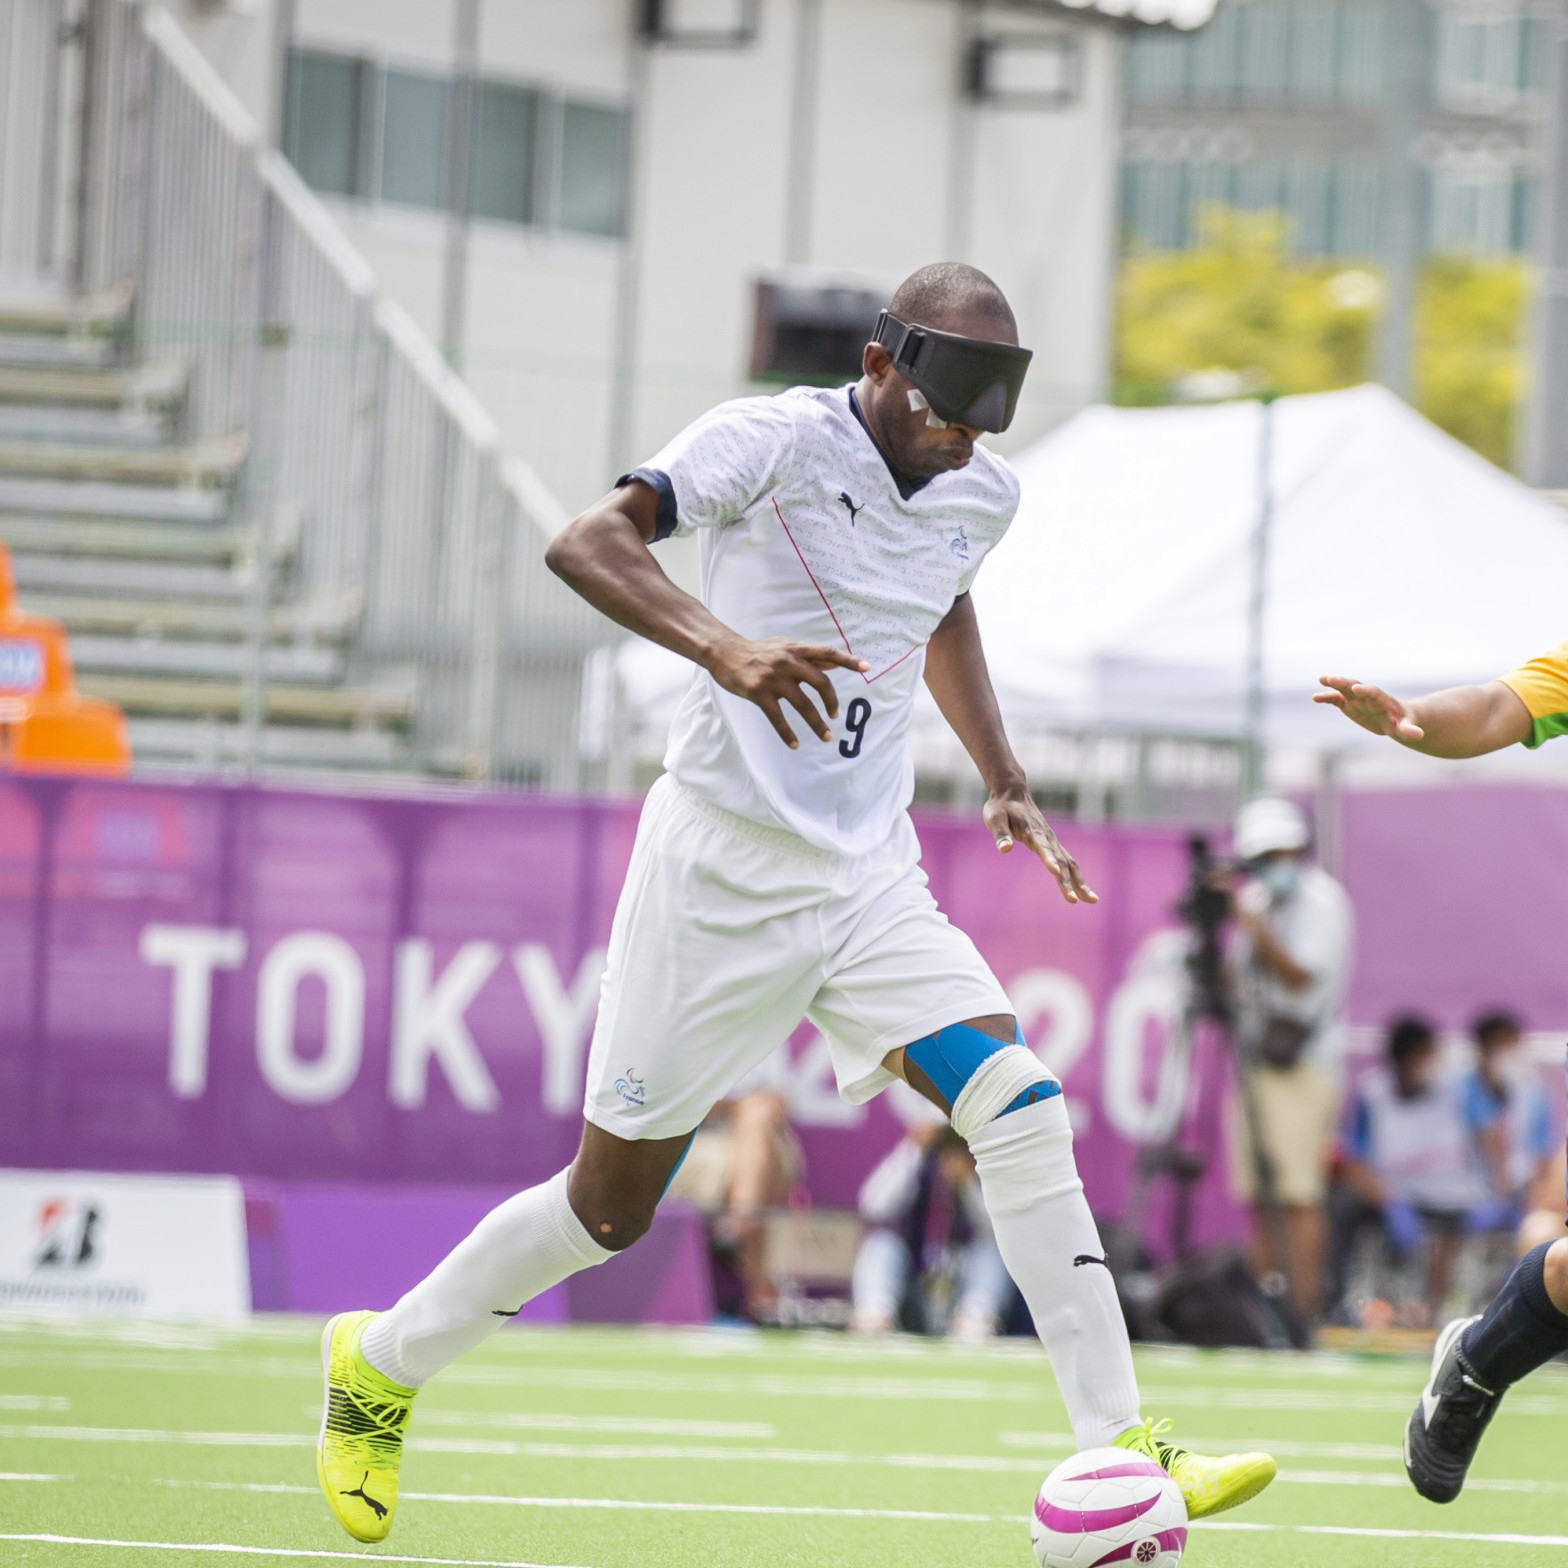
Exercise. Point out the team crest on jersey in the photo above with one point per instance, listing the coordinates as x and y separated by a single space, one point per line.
960 545
630 1088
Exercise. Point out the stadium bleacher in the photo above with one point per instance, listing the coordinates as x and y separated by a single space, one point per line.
128 534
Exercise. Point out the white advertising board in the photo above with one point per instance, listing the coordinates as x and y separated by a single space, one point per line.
86 1244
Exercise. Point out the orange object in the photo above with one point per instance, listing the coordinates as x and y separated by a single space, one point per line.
46 725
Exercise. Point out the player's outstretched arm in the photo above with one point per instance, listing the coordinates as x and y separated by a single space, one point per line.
959 680
604 556
1465 721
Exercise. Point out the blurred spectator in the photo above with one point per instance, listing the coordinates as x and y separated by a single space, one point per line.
1290 969
745 1158
928 1260
1506 1104
1412 1165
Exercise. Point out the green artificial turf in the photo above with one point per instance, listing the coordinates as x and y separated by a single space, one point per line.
806 1450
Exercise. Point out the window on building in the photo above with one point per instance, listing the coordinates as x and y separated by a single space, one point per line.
1487 58
1330 204
1266 51
506 147
592 196
323 131
1480 209
414 156
359 129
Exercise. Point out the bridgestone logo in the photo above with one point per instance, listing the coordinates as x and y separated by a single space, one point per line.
28 1293
21 666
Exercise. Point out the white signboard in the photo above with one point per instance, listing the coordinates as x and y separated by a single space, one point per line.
123 1246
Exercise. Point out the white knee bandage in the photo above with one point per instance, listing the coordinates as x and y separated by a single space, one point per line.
995 1084
1025 1156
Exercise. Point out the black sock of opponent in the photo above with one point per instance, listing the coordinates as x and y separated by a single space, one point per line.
1521 1330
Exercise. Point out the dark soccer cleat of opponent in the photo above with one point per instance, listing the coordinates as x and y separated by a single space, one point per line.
1444 1430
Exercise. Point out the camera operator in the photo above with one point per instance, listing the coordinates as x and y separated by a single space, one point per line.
1288 973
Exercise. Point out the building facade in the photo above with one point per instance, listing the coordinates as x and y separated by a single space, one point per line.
1285 104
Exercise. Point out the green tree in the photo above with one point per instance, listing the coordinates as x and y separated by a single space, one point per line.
1469 371
1241 310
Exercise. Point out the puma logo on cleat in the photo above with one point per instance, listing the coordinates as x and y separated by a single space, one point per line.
501 1312
359 1491
1087 1257
854 510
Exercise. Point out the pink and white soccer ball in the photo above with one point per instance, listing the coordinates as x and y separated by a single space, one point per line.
1106 1506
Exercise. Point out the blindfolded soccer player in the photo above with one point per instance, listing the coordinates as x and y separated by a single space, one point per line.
1477 1358
776 874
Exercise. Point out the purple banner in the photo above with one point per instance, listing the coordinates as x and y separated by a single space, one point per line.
333 987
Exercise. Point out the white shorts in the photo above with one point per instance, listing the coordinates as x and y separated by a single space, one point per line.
728 933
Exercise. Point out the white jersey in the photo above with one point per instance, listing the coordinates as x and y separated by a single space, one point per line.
805 534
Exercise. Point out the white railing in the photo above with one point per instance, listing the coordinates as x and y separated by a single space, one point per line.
33 85
411 521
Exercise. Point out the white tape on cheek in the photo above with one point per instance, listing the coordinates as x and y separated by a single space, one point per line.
917 402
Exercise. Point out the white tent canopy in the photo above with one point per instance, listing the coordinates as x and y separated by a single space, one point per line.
1118 602
1119 599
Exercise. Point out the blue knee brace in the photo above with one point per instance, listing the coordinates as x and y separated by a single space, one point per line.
952 1056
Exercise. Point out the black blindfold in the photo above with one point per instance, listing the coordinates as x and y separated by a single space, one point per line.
966 381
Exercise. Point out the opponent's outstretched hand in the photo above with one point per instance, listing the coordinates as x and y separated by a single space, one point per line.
1013 818
1370 707
776 671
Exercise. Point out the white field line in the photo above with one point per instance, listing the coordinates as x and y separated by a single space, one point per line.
630 1505
130 1434
55 1402
1325 1399
612 1381
667 1453
654 1426
1325 1396
505 1449
1368 1531
1286 1447
617 1504
1361 1532
20 1475
262 1551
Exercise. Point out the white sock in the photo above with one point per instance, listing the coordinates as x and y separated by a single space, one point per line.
533 1241
1042 1223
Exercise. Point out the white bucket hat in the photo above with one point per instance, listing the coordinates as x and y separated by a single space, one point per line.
1269 824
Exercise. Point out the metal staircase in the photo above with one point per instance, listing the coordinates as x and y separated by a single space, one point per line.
127 533
280 531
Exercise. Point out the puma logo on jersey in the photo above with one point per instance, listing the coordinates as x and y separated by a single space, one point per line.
854 510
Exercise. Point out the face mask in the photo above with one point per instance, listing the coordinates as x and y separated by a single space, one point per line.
1280 877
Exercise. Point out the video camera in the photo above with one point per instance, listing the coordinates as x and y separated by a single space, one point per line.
1204 910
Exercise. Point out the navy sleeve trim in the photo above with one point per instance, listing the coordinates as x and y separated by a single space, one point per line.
659 482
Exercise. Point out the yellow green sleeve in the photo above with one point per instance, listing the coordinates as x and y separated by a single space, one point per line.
1542 686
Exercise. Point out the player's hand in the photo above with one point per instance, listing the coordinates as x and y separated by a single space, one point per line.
1013 818
777 671
1369 707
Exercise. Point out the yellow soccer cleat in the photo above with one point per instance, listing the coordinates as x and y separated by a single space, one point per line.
1208 1486
363 1418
